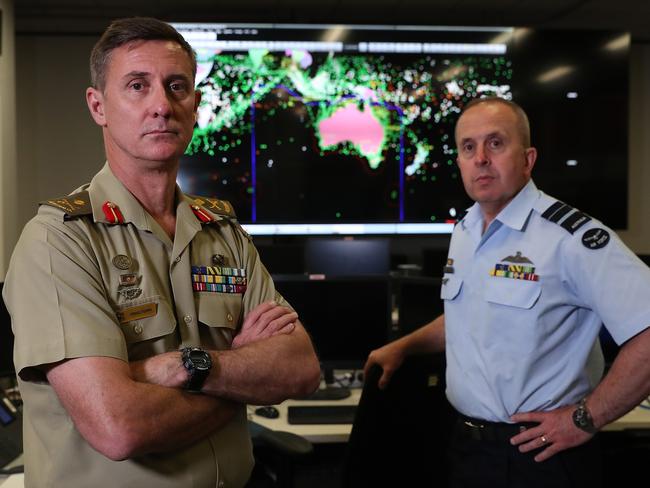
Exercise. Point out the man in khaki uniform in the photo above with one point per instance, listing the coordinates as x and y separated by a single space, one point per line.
106 285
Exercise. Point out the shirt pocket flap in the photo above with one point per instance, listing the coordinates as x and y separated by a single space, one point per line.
512 292
219 309
146 319
450 288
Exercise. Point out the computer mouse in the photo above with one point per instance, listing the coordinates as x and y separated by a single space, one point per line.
267 411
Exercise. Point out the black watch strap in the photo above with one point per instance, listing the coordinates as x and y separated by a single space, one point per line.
198 364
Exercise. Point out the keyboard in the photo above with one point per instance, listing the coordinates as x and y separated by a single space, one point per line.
321 414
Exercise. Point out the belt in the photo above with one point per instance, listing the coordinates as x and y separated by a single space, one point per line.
483 430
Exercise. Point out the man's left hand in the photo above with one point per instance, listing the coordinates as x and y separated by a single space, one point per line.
264 321
555 432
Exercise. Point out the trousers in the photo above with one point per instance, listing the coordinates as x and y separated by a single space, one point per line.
481 456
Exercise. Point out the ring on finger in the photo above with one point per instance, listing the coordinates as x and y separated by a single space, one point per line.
544 439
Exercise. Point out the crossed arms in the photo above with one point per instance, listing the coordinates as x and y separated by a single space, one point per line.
126 410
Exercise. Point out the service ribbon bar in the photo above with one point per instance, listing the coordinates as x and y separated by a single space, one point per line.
219 279
218 270
215 287
514 268
514 275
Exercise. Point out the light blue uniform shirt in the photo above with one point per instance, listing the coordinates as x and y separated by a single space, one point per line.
524 304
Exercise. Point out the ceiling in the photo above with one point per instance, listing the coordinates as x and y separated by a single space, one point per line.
92 16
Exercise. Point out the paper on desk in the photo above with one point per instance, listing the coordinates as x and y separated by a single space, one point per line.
14 481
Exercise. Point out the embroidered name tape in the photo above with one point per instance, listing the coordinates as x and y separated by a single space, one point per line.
137 312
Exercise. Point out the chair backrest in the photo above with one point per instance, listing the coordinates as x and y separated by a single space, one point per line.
401 434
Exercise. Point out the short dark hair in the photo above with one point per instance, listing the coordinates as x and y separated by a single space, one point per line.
124 31
520 113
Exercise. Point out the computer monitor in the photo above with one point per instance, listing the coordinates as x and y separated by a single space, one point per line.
337 257
348 129
346 317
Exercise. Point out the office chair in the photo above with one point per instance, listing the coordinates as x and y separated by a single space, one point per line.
400 435
276 455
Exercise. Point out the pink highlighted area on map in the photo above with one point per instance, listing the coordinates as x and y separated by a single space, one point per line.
361 128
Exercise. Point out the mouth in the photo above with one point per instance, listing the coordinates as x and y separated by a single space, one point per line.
483 179
157 132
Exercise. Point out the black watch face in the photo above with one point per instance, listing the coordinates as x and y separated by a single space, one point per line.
200 360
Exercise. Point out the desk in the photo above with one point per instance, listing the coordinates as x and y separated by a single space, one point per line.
318 434
637 419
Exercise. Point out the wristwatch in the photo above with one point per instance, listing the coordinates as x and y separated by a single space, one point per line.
198 364
582 418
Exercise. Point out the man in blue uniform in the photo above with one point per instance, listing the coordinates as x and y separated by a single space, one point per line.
528 282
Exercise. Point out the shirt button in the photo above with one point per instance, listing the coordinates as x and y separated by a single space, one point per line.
137 328
177 260
229 317
188 319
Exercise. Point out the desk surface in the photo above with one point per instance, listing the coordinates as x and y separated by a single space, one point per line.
315 433
639 418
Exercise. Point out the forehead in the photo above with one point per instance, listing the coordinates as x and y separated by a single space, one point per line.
149 57
486 118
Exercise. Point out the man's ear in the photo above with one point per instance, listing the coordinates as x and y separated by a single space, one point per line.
197 101
531 156
95 101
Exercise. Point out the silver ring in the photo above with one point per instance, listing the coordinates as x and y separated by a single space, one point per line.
544 439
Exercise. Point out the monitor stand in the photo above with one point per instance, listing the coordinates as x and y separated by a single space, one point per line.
330 391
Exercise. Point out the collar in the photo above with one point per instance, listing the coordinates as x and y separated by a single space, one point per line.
514 215
106 188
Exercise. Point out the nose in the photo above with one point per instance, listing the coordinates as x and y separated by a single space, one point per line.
481 157
160 103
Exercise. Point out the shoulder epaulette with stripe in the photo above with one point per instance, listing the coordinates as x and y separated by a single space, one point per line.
566 216
219 207
75 205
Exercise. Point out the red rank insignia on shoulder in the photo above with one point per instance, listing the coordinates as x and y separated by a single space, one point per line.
201 214
112 213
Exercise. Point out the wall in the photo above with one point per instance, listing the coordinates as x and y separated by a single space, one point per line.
638 234
59 146
8 219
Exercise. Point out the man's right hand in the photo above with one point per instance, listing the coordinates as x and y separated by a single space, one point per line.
389 357
264 321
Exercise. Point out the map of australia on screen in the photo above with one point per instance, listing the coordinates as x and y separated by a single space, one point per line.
327 131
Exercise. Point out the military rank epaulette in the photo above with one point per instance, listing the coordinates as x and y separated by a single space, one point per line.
566 216
219 207
74 206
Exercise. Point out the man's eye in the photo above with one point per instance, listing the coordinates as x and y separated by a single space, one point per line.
495 143
177 86
468 148
137 86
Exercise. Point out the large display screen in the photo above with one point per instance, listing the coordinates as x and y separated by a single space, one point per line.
311 129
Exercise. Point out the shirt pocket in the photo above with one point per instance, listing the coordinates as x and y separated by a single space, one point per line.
450 288
220 309
145 319
513 293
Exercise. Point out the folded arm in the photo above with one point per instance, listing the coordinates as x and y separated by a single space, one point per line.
272 359
122 418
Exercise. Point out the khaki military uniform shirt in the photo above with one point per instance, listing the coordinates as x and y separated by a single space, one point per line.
79 285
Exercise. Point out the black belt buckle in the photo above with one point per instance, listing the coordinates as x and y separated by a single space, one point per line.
489 431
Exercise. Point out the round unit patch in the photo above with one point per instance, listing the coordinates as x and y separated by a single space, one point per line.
595 238
121 261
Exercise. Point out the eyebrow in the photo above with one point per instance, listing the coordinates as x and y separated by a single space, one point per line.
487 136
145 74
